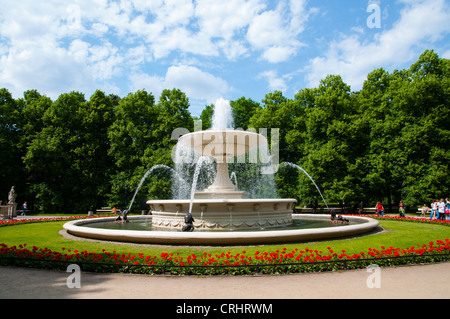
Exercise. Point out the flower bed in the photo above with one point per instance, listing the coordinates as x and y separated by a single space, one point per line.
266 262
11 222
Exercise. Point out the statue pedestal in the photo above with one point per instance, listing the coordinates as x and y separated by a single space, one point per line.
8 211
12 210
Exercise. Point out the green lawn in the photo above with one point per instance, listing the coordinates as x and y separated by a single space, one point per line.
398 234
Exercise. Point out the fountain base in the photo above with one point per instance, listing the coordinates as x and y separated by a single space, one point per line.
362 225
239 214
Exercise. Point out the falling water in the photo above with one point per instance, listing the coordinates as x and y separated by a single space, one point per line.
301 169
184 157
233 176
144 177
198 167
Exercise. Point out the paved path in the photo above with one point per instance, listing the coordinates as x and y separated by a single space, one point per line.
425 282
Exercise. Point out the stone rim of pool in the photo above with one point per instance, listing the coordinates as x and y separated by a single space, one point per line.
363 225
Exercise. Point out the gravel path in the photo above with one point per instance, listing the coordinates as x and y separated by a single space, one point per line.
407 282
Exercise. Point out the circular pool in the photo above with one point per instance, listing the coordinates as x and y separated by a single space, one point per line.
139 229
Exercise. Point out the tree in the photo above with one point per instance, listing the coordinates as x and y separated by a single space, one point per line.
406 158
130 136
206 116
92 159
32 109
53 160
141 137
243 110
11 169
424 105
279 113
328 141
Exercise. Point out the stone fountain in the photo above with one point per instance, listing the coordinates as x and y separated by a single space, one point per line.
221 205
223 214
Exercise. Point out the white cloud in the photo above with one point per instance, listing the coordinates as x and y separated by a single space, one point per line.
421 23
197 84
275 82
276 32
88 44
48 69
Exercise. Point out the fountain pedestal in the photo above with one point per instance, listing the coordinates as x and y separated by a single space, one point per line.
222 187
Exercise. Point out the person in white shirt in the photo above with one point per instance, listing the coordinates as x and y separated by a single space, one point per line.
433 209
441 207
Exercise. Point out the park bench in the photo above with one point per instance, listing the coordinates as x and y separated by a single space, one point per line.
104 210
369 210
309 210
420 211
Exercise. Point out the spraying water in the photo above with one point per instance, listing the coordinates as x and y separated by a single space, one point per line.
301 169
143 179
223 115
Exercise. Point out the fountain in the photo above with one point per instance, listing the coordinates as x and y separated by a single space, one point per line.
223 214
213 206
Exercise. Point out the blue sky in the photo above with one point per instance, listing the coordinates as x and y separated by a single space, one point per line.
209 48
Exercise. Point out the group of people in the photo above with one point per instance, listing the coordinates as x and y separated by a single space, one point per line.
440 209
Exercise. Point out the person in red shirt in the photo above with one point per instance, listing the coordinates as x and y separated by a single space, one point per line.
380 209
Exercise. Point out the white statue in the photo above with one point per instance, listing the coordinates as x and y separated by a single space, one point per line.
12 196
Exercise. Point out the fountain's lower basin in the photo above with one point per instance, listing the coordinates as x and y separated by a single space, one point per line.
236 214
358 225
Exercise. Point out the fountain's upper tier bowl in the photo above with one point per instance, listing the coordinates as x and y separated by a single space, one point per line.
222 144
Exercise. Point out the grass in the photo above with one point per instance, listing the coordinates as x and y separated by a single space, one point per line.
397 234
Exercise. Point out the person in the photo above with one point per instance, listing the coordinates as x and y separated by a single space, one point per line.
424 210
314 206
401 205
189 222
436 209
361 207
441 207
380 209
24 208
433 209
402 212
447 210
